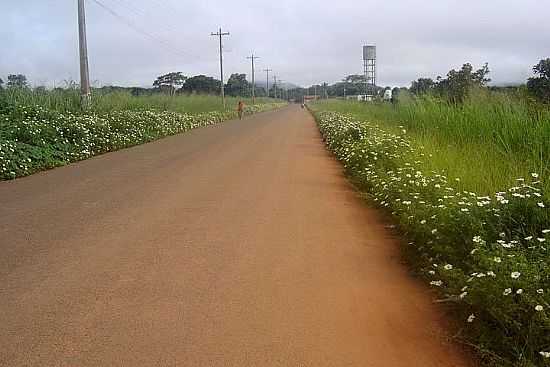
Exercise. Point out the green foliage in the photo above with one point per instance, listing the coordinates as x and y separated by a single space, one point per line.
488 141
539 85
201 84
458 84
17 81
395 95
237 85
169 82
422 86
486 253
109 99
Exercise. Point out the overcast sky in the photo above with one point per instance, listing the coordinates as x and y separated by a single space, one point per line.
304 42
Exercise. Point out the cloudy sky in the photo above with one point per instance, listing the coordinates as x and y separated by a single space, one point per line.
130 42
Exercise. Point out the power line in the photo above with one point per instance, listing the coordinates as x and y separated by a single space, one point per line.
144 13
130 24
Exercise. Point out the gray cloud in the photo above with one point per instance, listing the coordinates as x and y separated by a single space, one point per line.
305 42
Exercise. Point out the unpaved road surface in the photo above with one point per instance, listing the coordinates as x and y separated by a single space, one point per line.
239 244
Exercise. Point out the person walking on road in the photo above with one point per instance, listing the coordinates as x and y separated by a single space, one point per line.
240 109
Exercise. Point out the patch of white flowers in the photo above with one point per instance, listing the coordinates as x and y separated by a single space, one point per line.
34 138
492 245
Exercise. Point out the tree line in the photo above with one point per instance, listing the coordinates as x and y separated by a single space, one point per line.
458 84
454 87
237 85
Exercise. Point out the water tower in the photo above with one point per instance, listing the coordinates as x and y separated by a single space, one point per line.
369 63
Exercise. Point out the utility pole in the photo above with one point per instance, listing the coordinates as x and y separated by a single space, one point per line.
275 85
252 58
220 34
267 80
84 72
282 90
315 88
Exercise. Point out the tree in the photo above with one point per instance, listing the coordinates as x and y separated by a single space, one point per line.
458 84
169 82
354 84
237 85
1 82
395 95
539 85
422 86
201 84
17 81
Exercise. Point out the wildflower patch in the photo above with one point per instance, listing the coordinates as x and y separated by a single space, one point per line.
488 255
33 138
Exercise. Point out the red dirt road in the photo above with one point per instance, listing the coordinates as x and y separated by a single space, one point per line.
239 244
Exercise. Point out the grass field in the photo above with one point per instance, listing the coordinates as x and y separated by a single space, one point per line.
44 130
488 142
69 101
468 186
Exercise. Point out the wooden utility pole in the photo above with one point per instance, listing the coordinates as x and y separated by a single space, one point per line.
84 73
267 80
220 34
284 92
252 58
275 85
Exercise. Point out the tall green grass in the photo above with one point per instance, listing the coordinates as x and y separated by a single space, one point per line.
489 141
69 101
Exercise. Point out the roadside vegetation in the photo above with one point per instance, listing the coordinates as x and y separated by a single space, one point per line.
41 129
464 171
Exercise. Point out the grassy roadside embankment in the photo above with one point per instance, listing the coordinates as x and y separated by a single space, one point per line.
468 187
42 131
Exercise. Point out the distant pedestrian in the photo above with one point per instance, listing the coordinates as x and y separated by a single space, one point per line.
240 109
